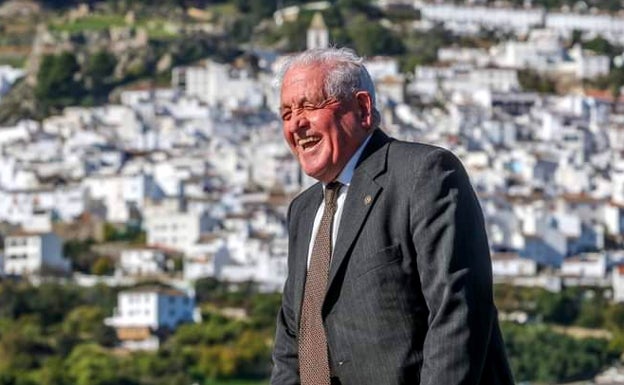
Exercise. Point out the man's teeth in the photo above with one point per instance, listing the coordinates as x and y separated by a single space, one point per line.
306 141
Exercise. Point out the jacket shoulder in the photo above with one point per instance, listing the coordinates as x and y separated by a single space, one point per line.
402 147
421 156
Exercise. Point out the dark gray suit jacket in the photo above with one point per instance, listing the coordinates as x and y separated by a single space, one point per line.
409 297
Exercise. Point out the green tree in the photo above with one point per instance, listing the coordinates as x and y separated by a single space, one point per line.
89 364
592 312
52 372
161 368
294 33
103 266
359 6
79 253
208 288
23 346
56 83
562 308
215 329
532 81
614 317
83 320
245 357
259 9
602 46
538 354
264 308
422 47
98 72
49 301
371 39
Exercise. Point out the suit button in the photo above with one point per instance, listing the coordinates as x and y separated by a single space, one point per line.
340 363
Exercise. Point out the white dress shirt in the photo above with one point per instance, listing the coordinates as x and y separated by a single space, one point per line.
345 178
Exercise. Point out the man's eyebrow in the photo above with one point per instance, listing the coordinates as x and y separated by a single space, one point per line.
297 102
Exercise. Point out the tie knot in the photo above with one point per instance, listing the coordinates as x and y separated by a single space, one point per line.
331 193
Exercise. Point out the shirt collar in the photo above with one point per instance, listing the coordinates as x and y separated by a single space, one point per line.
346 174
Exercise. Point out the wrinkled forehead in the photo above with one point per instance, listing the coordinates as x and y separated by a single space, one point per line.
297 69
304 80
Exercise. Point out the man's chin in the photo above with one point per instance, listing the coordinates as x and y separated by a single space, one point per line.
313 173
323 177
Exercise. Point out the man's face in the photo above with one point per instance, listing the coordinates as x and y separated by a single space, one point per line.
322 132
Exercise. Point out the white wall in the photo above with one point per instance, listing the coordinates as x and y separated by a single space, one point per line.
176 230
142 262
513 267
585 266
29 254
137 309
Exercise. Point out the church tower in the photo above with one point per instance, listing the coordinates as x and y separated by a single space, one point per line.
318 35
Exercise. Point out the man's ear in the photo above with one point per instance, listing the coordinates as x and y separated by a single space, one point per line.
365 106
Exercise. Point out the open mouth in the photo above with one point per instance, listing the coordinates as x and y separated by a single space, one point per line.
308 142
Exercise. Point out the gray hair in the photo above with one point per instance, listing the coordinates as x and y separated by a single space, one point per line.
346 73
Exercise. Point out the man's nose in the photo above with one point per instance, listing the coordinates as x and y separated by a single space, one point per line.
299 120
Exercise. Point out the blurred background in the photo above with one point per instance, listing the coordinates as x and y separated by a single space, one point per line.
144 180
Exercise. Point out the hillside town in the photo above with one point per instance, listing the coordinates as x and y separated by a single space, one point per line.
200 166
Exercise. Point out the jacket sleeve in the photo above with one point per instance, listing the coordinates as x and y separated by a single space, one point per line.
285 351
454 270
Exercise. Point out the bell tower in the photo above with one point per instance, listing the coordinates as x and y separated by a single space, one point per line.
318 35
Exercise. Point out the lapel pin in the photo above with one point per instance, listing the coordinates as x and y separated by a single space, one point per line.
368 199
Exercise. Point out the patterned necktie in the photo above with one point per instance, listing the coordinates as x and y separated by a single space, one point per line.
313 356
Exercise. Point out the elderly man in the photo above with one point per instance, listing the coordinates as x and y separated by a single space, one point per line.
389 276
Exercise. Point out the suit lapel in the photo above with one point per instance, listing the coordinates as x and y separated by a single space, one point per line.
306 221
361 197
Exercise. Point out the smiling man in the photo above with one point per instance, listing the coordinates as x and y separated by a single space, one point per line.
389 276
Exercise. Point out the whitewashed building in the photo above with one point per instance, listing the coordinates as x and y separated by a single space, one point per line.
256 259
119 193
587 64
142 315
8 76
22 130
610 27
545 52
464 19
206 258
614 218
125 124
588 265
34 253
20 206
464 78
617 281
512 265
169 226
208 80
142 261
